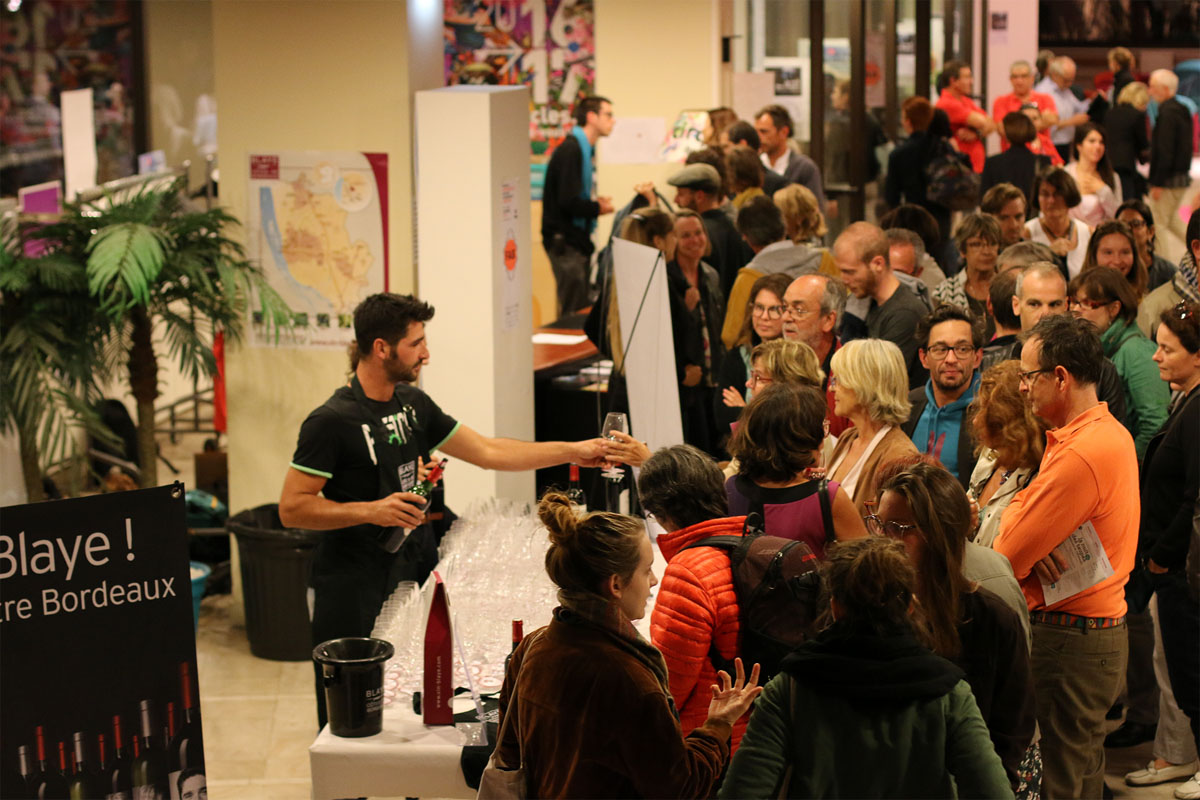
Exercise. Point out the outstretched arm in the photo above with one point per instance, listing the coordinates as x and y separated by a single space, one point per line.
513 455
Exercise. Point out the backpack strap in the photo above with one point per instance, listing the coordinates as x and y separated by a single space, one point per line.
721 542
826 511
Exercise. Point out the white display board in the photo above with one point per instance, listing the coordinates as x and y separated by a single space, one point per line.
473 244
648 344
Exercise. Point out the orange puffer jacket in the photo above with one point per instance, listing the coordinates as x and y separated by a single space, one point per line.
696 604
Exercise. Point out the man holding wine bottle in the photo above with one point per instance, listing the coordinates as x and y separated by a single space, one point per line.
356 464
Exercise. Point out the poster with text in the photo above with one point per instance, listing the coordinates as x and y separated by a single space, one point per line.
547 45
318 228
97 650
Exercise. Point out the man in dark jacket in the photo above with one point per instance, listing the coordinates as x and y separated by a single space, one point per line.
939 423
1170 160
698 187
568 210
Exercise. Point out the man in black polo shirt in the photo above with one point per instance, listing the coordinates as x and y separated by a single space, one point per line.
357 460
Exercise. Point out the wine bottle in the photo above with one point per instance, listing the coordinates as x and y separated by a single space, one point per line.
575 491
186 751
25 776
518 633
149 768
168 733
49 782
118 783
390 539
82 785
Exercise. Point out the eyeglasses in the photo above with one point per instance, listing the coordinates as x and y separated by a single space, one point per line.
940 351
1083 302
770 312
759 379
1028 377
979 244
798 310
890 529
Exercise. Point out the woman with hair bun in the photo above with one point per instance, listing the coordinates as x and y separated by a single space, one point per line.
864 709
587 698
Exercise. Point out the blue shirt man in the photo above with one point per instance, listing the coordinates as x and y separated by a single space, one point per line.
951 349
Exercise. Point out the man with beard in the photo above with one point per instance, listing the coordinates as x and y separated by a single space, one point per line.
358 457
893 311
939 424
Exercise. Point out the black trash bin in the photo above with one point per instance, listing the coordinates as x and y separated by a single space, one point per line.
276 563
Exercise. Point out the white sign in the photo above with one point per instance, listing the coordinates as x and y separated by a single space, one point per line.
79 140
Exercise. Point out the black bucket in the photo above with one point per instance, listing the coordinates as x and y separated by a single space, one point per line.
352 671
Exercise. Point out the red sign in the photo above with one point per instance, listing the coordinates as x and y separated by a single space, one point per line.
510 255
265 168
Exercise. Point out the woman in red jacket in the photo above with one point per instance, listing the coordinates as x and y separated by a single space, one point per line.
697 607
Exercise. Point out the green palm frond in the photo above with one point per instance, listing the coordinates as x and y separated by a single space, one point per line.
130 252
187 346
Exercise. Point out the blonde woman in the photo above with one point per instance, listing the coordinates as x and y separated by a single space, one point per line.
870 385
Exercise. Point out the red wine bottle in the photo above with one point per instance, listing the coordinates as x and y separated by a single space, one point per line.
186 751
82 785
48 782
518 633
118 783
390 539
575 490
149 768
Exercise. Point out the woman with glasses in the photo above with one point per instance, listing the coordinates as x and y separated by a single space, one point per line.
1054 226
1168 550
1113 246
1105 299
1099 188
870 387
763 322
1011 441
777 444
864 709
925 508
1137 217
978 239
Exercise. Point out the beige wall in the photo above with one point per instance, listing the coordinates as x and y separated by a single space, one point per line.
296 75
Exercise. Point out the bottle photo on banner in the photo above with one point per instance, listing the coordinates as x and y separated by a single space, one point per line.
98 674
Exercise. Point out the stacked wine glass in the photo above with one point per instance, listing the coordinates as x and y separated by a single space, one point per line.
493 563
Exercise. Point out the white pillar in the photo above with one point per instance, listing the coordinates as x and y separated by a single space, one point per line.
473 246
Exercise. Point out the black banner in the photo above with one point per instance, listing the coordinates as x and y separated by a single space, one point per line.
97 650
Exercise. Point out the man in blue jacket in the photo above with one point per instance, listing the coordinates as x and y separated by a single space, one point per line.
952 346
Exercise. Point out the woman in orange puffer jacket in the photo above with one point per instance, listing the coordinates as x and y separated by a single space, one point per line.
683 488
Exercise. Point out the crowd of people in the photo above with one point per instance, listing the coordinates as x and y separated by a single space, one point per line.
981 423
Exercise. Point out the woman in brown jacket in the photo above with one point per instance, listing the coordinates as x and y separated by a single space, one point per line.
586 707
870 387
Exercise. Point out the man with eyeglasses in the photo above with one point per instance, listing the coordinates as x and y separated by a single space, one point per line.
812 306
760 223
939 424
1087 485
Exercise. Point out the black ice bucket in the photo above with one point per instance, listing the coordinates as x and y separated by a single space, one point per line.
352 671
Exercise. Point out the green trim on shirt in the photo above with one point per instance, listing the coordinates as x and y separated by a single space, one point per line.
311 471
453 431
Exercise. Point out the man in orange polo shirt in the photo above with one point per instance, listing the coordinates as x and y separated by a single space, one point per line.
1088 479
968 122
1020 75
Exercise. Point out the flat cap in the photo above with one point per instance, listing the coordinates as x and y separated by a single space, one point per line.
697 176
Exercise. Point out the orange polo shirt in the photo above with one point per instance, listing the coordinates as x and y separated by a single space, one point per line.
1006 104
958 109
1089 472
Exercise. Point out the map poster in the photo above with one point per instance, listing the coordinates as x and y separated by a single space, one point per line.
317 227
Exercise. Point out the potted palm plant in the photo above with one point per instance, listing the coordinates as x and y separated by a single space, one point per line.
151 266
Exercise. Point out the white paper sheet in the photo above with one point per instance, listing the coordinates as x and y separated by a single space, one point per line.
79 140
634 140
1087 565
559 338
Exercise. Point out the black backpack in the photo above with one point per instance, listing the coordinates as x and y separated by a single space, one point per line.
777 586
950 181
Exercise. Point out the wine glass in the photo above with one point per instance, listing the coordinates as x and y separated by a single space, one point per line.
615 421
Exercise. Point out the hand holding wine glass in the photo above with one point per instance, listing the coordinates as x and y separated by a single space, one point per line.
619 422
